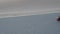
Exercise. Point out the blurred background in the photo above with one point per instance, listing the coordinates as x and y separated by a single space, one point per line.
28 5
44 23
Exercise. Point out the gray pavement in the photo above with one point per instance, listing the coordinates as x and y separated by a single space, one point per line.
36 24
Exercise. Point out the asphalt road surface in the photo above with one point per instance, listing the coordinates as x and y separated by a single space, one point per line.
35 24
